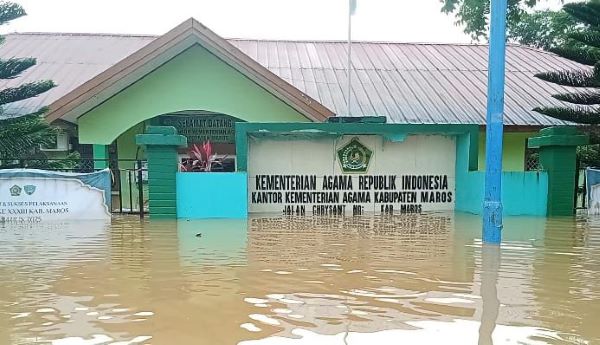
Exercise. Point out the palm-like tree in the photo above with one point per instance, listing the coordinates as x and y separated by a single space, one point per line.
583 47
21 137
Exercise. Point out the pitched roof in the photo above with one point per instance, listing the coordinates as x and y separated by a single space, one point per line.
407 82
137 65
67 59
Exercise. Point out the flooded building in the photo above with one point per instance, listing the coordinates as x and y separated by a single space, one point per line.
415 121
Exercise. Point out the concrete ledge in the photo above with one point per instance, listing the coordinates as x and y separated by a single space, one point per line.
557 140
161 139
166 130
558 136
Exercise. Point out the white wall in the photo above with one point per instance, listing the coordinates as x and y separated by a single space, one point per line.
417 155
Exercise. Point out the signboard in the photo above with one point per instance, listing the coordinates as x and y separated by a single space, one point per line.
352 175
592 177
201 128
33 196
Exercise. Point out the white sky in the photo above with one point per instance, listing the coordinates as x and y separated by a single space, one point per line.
375 20
378 20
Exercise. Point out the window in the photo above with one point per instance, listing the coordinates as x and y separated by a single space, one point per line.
532 158
60 143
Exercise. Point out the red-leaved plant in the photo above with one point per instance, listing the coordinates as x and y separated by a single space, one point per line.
201 158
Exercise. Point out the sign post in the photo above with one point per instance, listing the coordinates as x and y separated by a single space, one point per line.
161 144
492 204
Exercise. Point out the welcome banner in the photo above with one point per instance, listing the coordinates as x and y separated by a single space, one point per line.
33 196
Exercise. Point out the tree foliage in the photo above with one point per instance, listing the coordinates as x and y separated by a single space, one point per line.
21 137
537 28
543 29
23 132
474 14
583 46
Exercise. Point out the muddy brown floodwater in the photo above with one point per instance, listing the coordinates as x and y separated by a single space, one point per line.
370 280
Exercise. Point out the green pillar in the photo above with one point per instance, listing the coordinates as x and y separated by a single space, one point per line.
100 154
558 149
161 144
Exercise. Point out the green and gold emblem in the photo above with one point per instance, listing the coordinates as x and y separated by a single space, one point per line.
15 190
354 157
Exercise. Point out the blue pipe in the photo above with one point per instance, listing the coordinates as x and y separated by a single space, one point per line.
492 204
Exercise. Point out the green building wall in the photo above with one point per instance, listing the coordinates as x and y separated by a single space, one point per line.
513 152
128 152
126 147
523 192
193 80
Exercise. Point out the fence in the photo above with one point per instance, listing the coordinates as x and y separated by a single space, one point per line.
580 190
129 187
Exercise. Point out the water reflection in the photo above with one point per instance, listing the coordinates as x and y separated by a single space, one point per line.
212 242
568 265
414 286
280 280
490 265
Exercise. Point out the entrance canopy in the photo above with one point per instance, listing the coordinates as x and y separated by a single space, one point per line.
189 68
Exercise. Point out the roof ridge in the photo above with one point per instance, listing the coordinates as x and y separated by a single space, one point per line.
92 34
356 41
101 34
106 34
87 34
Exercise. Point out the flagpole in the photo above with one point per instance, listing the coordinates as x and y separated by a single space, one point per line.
350 5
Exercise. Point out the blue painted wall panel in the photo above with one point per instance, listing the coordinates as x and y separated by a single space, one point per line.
523 193
212 195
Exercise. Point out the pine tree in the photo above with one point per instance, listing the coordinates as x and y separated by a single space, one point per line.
21 137
583 47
